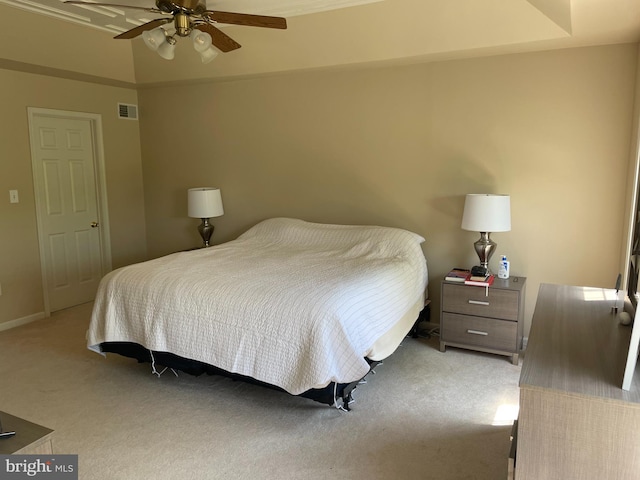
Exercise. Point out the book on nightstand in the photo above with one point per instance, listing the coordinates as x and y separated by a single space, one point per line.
458 275
480 281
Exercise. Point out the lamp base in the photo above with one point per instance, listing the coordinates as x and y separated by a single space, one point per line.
484 248
206 230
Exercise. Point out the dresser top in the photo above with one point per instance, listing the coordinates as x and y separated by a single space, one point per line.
576 345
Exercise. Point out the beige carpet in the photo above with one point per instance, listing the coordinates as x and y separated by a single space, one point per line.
424 415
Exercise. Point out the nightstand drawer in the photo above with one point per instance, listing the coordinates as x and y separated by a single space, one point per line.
498 303
479 331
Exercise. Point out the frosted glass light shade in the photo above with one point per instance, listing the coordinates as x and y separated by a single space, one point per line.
167 50
154 38
208 55
201 40
487 213
205 202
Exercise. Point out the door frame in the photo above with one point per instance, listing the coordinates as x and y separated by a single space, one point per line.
100 179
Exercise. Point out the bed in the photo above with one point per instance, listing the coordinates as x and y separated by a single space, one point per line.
303 307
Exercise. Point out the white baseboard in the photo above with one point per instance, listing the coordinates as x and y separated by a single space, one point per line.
21 321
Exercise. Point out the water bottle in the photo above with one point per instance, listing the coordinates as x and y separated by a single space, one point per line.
503 270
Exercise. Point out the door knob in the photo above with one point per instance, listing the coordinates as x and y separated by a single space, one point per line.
94 224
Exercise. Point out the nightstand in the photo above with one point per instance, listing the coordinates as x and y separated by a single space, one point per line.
484 319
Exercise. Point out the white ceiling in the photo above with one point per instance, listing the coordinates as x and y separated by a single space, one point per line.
329 33
118 19
593 21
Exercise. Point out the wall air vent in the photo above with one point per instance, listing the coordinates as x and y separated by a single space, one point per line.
129 112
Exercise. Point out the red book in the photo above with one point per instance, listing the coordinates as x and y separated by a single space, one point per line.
487 281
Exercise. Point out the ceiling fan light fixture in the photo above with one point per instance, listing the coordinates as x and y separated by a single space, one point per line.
201 40
154 38
208 55
186 16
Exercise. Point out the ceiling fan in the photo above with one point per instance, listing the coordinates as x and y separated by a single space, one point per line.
190 15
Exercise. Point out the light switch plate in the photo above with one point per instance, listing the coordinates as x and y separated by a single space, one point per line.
13 196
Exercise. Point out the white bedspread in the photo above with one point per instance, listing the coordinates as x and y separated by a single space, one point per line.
291 303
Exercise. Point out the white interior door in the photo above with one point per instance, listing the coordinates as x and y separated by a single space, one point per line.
66 189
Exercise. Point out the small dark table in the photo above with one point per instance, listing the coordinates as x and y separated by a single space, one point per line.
30 438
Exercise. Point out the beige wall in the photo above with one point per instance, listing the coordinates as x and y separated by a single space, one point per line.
401 147
20 276
59 45
395 146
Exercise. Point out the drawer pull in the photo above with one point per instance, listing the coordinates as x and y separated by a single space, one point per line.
477 332
478 302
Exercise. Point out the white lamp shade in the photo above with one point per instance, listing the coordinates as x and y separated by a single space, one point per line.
205 202
154 38
487 213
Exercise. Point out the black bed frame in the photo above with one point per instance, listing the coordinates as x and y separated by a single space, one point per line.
329 395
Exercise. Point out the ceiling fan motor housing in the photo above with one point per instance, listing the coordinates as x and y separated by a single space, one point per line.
182 24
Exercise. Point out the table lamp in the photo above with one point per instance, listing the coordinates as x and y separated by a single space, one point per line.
204 203
486 213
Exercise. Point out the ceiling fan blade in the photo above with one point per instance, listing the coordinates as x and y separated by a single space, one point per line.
246 19
221 40
92 4
134 32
